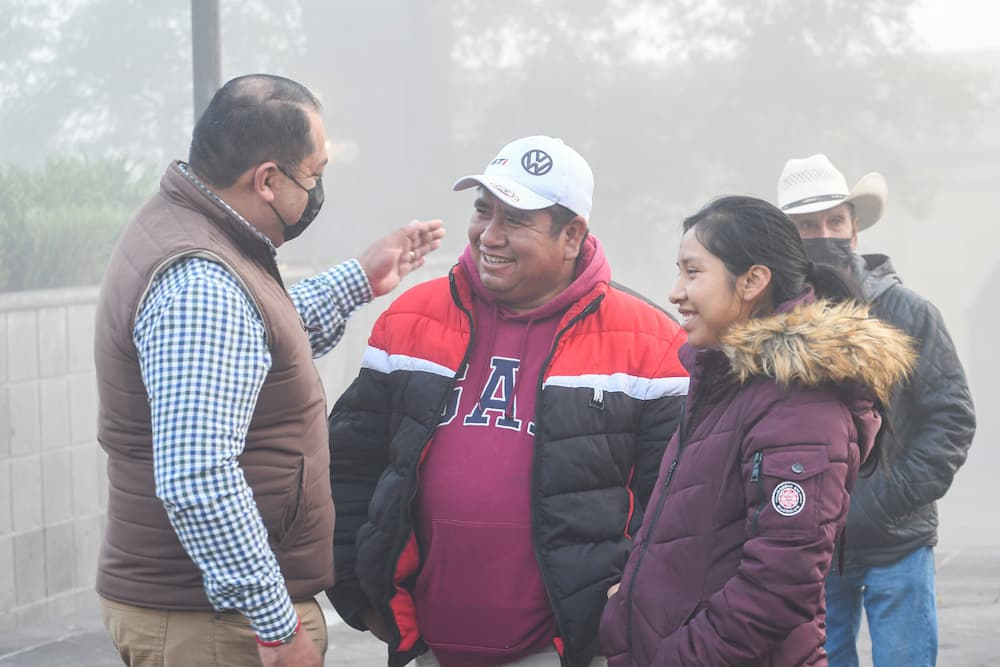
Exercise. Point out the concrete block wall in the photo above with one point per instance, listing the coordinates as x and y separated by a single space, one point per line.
52 472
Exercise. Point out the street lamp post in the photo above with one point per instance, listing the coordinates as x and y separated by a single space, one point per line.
206 52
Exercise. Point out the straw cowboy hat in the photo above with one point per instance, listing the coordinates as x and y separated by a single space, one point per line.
813 184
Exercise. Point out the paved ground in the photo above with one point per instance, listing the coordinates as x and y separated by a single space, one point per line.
968 598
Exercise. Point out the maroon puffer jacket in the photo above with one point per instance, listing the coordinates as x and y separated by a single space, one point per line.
728 566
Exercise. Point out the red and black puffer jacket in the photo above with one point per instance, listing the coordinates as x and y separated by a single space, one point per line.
609 396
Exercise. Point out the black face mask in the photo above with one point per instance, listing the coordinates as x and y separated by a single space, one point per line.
832 252
313 205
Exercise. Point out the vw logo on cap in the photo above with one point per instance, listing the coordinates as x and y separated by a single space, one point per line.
536 172
536 162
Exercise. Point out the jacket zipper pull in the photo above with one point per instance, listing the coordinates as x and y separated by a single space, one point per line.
597 401
758 458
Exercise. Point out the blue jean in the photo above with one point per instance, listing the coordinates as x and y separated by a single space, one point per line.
899 602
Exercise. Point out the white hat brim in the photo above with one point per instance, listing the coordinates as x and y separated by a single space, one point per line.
869 197
507 190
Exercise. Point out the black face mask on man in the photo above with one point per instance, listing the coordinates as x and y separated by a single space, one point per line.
829 251
313 205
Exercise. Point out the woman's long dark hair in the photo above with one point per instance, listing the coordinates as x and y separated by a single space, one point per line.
743 231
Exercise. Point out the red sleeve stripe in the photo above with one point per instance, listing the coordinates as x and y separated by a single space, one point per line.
383 362
637 387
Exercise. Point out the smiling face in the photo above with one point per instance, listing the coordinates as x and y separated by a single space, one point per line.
522 261
706 294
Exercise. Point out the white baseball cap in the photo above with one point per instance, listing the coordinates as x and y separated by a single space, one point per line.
536 172
811 184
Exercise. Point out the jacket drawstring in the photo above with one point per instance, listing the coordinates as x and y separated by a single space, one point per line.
480 385
509 407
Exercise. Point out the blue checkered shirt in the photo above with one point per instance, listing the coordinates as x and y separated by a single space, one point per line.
204 357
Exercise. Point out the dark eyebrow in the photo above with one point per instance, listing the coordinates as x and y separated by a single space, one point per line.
516 213
508 211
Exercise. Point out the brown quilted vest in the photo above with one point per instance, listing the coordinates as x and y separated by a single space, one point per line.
286 459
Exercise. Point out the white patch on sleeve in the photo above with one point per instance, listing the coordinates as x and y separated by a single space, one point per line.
788 499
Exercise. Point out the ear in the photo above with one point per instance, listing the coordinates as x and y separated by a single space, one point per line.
263 180
854 235
753 284
574 231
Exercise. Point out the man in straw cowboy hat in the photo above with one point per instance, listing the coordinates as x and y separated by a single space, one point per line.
888 561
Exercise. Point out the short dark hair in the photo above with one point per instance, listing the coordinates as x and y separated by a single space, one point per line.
743 231
561 216
250 120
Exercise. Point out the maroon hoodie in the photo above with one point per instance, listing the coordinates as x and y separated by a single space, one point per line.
480 598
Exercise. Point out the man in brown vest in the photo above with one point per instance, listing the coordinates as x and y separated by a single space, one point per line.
220 518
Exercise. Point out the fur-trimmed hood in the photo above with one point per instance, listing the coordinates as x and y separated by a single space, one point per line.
818 343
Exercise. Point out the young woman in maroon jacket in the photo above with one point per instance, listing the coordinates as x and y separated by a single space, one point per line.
787 375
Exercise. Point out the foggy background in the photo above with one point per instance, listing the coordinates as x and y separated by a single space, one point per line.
672 103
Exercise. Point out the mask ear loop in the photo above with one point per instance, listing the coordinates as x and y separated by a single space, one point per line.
283 223
313 206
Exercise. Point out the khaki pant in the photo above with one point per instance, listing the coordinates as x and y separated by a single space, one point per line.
148 637
547 658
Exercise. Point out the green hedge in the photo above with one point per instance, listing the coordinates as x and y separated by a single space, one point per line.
59 222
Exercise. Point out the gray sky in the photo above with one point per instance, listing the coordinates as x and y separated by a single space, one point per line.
955 25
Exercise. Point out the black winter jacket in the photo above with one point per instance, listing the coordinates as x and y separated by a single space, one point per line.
931 417
601 429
